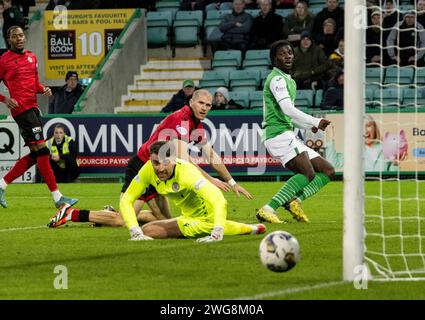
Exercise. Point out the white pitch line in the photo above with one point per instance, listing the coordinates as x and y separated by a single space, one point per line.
22 229
292 290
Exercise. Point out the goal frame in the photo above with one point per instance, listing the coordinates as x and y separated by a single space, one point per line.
354 96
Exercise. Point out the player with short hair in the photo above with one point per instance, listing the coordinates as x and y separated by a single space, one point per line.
202 204
183 127
312 172
18 70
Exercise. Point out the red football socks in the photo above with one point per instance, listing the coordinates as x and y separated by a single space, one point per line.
19 168
47 172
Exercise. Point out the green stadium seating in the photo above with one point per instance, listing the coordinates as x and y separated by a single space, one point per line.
158 26
211 23
214 78
212 90
241 98
414 97
253 12
284 13
406 7
399 75
168 6
226 6
318 96
257 59
388 97
229 59
420 75
374 77
370 91
186 28
244 80
212 32
304 99
256 99
217 14
263 74
315 10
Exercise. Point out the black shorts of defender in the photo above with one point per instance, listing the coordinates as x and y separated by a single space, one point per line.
30 126
133 168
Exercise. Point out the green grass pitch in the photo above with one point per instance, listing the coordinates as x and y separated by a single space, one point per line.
103 264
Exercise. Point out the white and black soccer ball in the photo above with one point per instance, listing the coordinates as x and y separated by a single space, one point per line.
279 251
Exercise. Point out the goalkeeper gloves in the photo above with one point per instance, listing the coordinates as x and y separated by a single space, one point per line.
216 235
136 234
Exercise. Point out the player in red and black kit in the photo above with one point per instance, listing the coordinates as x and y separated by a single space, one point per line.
183 127
18 71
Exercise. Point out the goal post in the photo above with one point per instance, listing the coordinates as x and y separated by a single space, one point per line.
384 115
354 99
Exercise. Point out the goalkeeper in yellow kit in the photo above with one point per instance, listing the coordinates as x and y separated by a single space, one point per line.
203 206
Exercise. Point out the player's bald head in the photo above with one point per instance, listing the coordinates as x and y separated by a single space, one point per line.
201 92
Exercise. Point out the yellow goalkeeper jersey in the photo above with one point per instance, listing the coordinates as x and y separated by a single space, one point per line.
187 188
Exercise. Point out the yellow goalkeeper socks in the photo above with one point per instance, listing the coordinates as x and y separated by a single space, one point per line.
232 228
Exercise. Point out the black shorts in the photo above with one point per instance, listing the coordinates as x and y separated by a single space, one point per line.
133 168
30 126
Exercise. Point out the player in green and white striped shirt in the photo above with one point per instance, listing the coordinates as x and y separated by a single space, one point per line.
312 172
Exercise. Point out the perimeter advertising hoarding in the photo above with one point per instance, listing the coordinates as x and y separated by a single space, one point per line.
106 143
12 148
393 142
78 40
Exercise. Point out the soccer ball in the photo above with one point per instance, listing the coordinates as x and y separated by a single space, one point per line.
279 251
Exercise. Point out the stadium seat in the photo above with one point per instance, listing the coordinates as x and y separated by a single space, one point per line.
186 28
413 97
317 2
399 75
420 75
212 32
284 13
244 80
315 9
214 78
258 59
374 77
389 97
304 99
212 90
158 26
241 98
168 6
229 59
406 7
256 99
226 6
211 23
217 14
370 97
318 96
263 74
253 12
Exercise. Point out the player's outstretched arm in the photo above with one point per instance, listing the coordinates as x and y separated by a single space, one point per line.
133 192
218 165
182 151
